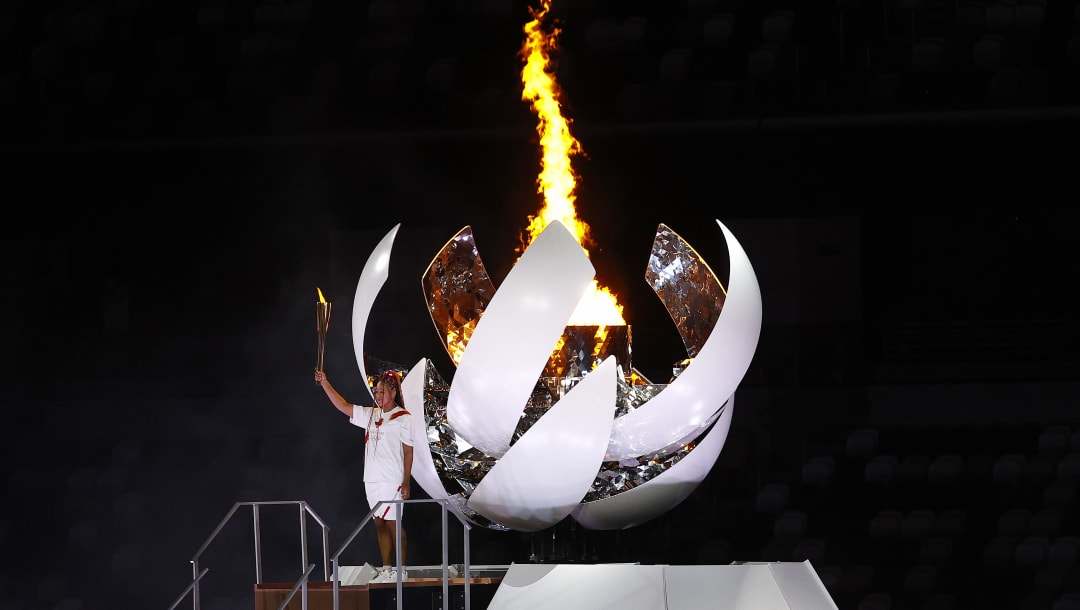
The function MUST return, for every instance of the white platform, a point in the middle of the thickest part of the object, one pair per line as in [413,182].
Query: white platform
[362,575]
[757,586]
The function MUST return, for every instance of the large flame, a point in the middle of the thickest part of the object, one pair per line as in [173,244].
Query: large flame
[556,181]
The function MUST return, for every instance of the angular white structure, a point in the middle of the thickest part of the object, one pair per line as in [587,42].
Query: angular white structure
[775,586]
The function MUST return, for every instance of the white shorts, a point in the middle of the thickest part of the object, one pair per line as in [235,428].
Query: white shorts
[381,491]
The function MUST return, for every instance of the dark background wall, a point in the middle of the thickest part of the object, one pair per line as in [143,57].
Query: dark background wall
[180,178]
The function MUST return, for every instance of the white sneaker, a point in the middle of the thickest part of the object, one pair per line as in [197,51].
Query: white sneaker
[384,575]
[389,574]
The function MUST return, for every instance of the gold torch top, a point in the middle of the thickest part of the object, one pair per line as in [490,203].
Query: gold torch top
[322,312]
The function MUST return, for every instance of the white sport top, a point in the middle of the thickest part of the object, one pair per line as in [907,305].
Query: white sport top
[386,432]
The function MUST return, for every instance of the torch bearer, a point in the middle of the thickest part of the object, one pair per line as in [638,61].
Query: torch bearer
[322,322]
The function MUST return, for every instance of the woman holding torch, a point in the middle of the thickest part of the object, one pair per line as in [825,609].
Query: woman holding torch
[388,455]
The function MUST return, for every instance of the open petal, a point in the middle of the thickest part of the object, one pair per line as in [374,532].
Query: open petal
[661,493]
[372,278]
[514,339]
[551,468]
[457,289]
[693,397]
[423,469]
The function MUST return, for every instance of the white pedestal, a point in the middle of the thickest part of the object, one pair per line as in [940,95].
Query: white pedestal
[756,586]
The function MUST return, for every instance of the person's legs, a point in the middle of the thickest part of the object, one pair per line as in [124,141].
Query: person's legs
[386,520]
[387,543]
[385,533]
[384,517]
[404,541]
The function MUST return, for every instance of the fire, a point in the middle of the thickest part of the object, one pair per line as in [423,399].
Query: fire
[321,298]
[557,180]
[456,341]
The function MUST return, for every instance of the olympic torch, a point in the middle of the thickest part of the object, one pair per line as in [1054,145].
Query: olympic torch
[322,322]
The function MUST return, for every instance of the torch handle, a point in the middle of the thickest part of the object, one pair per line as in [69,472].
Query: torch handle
[322,322]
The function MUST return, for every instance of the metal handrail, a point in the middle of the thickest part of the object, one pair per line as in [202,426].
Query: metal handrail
[397,541]
[181,597]
[305,511]
[292,592]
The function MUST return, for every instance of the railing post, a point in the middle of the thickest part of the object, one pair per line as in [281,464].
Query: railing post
[397,546]
[189,588]
[258,544]
[195,587]
[326,552]
[445,561]
[337,603]
[468,577]
[303,537]
[302,585]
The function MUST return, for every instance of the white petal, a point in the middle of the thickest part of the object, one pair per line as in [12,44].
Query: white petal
[514,338]
[663,492]
[372,278]
[691,399]
[423,467]
[552,466]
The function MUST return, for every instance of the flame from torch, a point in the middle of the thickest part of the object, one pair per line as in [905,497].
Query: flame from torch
[322,322]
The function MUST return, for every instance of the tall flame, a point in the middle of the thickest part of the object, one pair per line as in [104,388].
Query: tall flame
[557,180]
[322,299]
